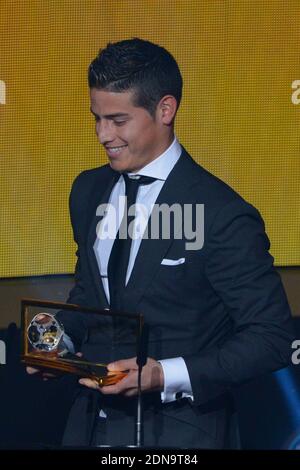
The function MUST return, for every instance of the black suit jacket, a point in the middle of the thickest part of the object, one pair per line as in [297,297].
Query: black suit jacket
[223,310]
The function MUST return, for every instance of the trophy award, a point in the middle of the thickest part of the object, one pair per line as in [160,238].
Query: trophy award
[45,340]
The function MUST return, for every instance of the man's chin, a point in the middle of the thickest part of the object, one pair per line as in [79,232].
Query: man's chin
[117,166]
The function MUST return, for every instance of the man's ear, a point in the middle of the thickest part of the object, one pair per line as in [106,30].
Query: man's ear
[167,108]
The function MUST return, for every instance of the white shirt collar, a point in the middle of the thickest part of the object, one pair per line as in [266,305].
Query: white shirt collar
[162,165]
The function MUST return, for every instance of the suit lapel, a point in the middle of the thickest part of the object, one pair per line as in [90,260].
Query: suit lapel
[152,251]
[98,198]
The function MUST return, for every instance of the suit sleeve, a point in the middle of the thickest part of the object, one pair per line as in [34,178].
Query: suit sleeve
[75,322]
[240,270]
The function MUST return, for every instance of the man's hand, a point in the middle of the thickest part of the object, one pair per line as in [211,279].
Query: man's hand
[44,375]
[152,378]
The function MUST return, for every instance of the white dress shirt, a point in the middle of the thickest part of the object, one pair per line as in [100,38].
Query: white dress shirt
[176,377]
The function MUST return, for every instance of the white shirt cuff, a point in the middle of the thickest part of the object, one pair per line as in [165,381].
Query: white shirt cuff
[177,382]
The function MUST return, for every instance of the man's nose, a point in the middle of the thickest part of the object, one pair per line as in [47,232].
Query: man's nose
[104,131]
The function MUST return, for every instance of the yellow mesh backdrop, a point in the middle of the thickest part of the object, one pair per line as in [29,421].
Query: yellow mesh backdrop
[238,58]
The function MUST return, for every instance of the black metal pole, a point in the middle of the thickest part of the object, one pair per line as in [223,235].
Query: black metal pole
[141,360]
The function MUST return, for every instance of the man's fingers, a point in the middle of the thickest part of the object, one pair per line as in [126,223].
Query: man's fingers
[123,364]
[45,375]
[49,375]
[113,390]
[31,370]
[125,384]
[131,393]
[89,383]
[109,390]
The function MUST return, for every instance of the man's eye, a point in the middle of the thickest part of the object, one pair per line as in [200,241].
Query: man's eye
[119,123]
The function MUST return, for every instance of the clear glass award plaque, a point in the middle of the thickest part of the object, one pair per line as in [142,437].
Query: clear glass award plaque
[46,339]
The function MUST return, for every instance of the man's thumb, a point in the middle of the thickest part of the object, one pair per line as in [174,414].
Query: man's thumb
[123,364]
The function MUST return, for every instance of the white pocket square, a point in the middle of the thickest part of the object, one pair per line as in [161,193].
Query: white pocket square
[172,262]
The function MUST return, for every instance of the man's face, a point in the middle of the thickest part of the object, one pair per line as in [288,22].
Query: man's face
[130,135]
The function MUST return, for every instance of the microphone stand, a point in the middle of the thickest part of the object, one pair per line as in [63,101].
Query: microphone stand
[141,360]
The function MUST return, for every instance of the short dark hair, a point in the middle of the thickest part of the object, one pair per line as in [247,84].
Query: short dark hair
[147,69]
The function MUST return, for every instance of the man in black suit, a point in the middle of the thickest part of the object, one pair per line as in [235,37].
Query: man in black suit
[215,307]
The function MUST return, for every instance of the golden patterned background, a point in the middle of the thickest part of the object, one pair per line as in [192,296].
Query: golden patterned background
[238,58]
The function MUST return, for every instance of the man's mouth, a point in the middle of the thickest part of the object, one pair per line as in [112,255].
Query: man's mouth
[115,150]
